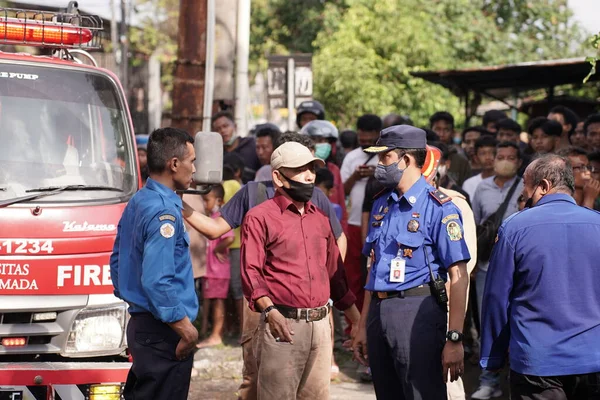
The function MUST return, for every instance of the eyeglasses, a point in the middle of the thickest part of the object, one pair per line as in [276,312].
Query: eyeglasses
[584,168]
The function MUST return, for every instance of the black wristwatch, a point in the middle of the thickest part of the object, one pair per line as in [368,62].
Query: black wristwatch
[455,336]
[267,310]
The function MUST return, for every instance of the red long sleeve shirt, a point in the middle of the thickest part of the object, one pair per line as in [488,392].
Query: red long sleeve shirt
[291,258]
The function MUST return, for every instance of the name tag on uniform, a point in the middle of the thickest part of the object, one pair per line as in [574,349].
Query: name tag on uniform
[397,270]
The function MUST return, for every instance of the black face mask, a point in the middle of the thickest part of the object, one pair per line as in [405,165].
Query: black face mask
[529,202]
[298,191]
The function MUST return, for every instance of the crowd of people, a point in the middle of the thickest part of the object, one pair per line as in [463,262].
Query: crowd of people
[386,223]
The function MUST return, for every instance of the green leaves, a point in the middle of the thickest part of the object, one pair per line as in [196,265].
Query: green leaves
[595,42]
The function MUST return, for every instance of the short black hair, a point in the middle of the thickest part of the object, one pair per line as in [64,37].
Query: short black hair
[595,156]
[267,130]
[431,136]
[504,145]
[441,116]
[485,141]
[510,125]
[349,139]
[570,117]
[369,123]
[554,168]
[591,119]
[479,129]
[418,154]
[165,144]
[493,116]
[290,136]
[572,151]
[548,126]
[443,147]
[218,190]
[221,114]
[396,119]
[325,177]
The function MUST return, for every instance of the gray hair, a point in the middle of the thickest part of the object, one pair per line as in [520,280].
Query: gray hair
[555,169]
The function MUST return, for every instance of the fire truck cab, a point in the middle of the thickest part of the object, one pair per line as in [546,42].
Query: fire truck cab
[68,167]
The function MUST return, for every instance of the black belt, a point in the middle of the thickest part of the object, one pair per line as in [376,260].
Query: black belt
[304,314]
[416,291]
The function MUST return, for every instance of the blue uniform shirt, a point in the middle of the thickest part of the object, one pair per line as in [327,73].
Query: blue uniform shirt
[150,265]
[409,226]
[542,292]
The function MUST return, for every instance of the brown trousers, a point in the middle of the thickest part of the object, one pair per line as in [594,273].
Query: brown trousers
[250,323]
[294,371]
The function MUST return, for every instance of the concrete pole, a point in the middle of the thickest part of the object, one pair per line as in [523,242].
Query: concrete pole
[209,87]
[190,69]
[241,67]
[114,37]
[291,94]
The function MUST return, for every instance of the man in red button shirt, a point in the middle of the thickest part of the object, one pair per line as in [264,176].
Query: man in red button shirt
[290,269]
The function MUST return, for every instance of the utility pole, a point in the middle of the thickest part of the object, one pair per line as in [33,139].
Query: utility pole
[114,37]
[190,68]
[124,48]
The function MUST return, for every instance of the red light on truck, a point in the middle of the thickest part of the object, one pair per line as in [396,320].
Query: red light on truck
[17,30]
[14,342]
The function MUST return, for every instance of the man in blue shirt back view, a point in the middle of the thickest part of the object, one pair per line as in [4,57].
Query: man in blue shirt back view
[541,302]
[151,270]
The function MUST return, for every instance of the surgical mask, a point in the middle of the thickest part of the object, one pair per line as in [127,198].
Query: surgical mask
[389,175]
[456,140]
[230,141]
[298,191]
[505,168]
[322,151]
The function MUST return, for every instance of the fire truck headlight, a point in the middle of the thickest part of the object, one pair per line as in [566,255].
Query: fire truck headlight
[97,331]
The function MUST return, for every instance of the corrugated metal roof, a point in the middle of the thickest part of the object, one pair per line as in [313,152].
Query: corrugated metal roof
[502,80]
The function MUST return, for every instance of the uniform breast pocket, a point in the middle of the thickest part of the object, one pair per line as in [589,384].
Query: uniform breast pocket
[410,247]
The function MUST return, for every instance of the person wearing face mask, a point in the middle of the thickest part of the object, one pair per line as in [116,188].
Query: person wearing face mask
[291,267]
[541,303]
[324,135]
[416,243]
[495,195]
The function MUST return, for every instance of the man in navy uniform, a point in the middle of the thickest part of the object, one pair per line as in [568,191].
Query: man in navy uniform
[151,270]
[541,303]
[416,241]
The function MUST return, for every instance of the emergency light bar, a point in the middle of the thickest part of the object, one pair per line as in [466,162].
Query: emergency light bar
[49,29]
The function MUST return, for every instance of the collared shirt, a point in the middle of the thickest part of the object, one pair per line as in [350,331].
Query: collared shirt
[290,257]
[413,226]
[542,299]
[150,265]
[234,211]
[470,185]
[489,196]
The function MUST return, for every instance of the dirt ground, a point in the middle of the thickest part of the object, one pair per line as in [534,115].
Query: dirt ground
[218,375]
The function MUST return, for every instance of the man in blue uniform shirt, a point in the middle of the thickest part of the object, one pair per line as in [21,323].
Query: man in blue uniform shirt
[541,304]
[415,239]
[151,270]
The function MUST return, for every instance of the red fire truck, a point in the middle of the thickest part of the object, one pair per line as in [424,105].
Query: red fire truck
[67,168]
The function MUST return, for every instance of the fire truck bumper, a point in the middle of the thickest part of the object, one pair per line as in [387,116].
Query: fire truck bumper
[63,381]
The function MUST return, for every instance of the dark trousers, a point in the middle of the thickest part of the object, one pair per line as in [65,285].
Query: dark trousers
[568,387]
[156,373]
[405,341]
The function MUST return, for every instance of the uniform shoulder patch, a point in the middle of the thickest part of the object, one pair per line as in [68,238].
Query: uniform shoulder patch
[450,217]
[167,217]
[167,230]
[440,197]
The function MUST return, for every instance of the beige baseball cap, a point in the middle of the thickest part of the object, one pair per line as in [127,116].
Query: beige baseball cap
[293,155]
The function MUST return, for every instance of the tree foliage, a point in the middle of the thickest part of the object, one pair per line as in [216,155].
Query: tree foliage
[364,50]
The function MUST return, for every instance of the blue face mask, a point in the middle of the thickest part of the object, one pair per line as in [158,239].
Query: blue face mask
[389,175]
[322,150]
